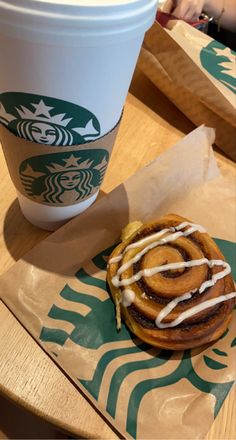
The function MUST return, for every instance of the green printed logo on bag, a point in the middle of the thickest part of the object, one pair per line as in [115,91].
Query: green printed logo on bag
[64,177]
[220,62]
[121,372]
[47,120]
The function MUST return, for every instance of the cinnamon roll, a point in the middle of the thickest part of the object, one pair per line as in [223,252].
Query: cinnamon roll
[171,284]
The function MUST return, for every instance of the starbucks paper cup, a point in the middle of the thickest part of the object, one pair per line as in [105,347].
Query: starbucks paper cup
[66,67]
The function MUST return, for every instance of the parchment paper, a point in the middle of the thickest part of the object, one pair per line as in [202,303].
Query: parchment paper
[58,292]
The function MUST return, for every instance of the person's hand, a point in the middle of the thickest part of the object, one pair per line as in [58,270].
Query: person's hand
[185,9]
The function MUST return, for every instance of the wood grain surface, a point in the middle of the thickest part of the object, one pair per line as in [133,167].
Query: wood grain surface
[28,376]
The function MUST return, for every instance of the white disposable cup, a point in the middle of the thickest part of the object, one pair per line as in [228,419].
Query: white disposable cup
[80,51]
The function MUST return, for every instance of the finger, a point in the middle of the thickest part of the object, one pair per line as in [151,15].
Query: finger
[168,6]
[182,9]
[193,12]
[188,10]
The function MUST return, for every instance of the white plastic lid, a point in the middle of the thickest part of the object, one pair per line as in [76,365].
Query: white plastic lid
[77,22]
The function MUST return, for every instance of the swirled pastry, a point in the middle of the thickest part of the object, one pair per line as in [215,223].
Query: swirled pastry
[171,284]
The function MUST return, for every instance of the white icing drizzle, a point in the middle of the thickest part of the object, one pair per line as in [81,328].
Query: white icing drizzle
[193,311]
[169,307]
[216,276]
[149,238]
[128,296]
[171,237]
[181,265]
[115,259]
[119,257]
[190,230]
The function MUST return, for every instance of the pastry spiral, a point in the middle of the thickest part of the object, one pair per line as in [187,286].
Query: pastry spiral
[172,284]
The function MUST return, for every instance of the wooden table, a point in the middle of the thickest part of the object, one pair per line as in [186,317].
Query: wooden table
[27,375]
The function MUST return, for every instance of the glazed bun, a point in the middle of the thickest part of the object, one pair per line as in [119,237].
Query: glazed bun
[171,284]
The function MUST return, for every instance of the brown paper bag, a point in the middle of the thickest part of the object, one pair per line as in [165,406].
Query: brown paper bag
[197,74]
[58,292]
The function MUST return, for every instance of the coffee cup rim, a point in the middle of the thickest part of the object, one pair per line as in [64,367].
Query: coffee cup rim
[80,23]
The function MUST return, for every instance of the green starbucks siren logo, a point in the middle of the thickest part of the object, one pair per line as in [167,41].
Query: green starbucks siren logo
[47,120]
[64,177]
[220,62]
